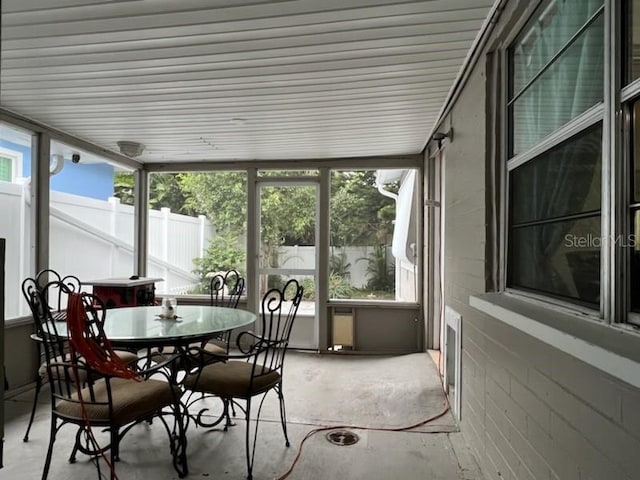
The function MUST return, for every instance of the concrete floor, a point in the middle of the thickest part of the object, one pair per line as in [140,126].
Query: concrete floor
[327,390]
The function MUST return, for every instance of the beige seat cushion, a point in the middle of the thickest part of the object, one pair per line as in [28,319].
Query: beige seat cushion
[125,356]
[215,349]
[231,379]
[131,400]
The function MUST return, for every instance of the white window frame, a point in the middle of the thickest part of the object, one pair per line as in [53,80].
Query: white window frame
[613,296]
[16,162]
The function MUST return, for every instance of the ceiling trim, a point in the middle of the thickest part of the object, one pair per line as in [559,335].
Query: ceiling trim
[371,162]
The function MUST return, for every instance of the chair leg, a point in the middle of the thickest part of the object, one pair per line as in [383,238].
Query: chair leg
[115,444]
[52,439]
[248,442]
[283,415]
[33,408]
[113,453]
[225,412]
[76,446]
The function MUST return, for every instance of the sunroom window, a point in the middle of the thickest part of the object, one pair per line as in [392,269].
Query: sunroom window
[556,75]
[373,235]
[630,75]
[557,70]
[634,239]
[555,220]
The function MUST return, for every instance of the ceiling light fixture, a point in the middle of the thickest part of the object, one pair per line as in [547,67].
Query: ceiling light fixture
[130,149]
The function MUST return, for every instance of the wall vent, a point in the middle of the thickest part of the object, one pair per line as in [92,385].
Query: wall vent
[452,349]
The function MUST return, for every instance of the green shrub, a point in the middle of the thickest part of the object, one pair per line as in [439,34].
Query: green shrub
[379,271]
[339,266]
[222,254]
[309,289]
[339,287]
[275,281]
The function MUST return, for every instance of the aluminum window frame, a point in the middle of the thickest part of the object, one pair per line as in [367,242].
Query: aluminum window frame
[601,112]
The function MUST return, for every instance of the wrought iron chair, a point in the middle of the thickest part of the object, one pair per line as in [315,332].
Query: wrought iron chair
[55,301]
[54,304]
[255,371]
[224,291]
[93,387]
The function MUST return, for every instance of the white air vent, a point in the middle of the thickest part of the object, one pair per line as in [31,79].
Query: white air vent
[452,345]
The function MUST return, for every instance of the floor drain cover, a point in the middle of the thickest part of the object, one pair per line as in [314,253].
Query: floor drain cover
[342,437]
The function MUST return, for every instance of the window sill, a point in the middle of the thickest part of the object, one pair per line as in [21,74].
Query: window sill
[15,322]
[373,302]
[612,349]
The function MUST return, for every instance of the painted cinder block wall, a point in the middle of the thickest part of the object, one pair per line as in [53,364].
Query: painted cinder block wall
[529,411]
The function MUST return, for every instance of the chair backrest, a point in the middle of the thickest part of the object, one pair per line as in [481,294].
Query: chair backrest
[89,357]
[54,295]
[32,292]
[279,310]
[58,360]
[53,299]
[225,290]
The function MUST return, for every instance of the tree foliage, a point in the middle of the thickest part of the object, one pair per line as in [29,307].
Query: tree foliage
[288,215]
[123,187]
[165,190]
[360,215]
[222,254]
[221,196]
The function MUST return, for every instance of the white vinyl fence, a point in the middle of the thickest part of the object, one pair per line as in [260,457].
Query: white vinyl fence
[304,257]
[93,239]
[356,258]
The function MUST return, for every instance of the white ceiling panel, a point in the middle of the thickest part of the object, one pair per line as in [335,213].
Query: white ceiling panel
[219,80]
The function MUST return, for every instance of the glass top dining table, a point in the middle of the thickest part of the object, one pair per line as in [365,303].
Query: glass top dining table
[143,327]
